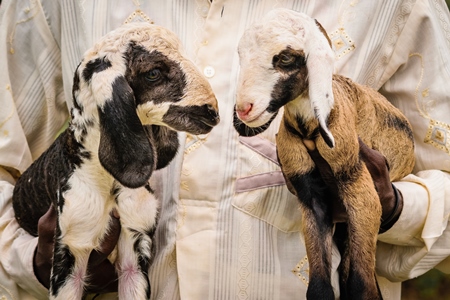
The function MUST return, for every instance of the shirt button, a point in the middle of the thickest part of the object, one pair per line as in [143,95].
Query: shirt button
[209,71]
[204,11]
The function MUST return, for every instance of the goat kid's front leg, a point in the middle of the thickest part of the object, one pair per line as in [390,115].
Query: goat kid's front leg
[318,232]
[138,210]
[68,276]
[304,180]
[358,261]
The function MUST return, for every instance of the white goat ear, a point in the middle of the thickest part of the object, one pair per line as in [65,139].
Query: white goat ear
[320,64]
[125,150]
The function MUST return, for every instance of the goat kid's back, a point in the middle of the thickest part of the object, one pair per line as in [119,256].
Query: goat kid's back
[379,124]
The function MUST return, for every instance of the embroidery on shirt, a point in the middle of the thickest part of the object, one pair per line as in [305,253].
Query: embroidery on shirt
[27,10]
[392,38]
[138,15]
[5,132]
[438,133]
[341,42]
[441,10]
[245,257]
[193,142]
[5,294]
[301,270]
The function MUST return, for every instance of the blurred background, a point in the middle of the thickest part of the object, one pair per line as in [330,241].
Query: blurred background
[433,285]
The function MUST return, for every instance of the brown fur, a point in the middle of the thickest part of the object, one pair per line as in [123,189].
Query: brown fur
[287,61]
[358,111]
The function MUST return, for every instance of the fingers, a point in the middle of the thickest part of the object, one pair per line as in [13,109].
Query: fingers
[391,201]
[109,242]
[375,161]
[102,273]
[43,256]
[47,226]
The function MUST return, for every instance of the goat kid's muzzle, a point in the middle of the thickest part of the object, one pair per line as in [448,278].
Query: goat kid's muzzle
[192,119]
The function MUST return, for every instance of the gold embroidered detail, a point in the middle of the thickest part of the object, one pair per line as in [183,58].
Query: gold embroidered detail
[301,270]
[182,219]
[438,133]
[392,38]
[10,115]
[138,16]
[5,294]
[193,142]
[342,43]
[27,10]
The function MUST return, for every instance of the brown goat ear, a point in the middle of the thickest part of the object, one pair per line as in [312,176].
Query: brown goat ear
[320,64]
[125,150]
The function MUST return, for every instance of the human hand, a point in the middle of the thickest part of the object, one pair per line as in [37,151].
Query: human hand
[103,277]
[390,198]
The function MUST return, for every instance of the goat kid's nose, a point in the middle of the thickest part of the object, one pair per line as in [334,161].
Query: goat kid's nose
[244,110]
[213,112]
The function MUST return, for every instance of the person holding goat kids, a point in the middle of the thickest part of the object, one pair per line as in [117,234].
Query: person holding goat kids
[228,226]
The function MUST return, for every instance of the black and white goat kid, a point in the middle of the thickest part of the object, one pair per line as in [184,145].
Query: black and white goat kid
[132,91]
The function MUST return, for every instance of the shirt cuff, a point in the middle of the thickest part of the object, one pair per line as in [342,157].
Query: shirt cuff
[423,218]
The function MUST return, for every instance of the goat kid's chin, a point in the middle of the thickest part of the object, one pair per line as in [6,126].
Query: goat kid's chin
[245,128]
[192,119]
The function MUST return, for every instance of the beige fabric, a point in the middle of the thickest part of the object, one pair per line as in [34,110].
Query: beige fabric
[215,242]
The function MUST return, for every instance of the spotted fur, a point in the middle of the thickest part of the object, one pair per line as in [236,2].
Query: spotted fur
[287,61]
[132,91]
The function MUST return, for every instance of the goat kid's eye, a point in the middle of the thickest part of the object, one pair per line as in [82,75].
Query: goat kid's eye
[153,75]
[286,60]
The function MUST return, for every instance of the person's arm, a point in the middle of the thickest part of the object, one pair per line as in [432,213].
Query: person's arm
[17,249]
[33,110]
[416,81]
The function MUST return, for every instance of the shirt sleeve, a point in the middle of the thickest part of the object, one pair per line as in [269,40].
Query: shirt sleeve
[416,80]
[17,250]
[32,111]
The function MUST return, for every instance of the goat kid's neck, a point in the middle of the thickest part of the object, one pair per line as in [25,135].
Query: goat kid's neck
[299,118]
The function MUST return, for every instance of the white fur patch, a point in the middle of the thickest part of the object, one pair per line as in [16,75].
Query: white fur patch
[279,30]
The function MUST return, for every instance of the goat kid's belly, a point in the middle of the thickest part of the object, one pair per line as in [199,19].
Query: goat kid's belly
[84,217]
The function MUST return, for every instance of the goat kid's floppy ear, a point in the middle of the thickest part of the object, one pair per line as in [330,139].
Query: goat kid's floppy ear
[166,143]
[320,64]
[125,150]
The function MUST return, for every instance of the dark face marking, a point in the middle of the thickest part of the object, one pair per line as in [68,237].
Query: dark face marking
[192,119]
[153,76]
[95,66]
[294,80]
[245,130]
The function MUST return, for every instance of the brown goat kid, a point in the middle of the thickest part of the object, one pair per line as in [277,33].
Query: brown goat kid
[286,60]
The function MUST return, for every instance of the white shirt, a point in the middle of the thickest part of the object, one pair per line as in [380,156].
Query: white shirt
[229,228]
